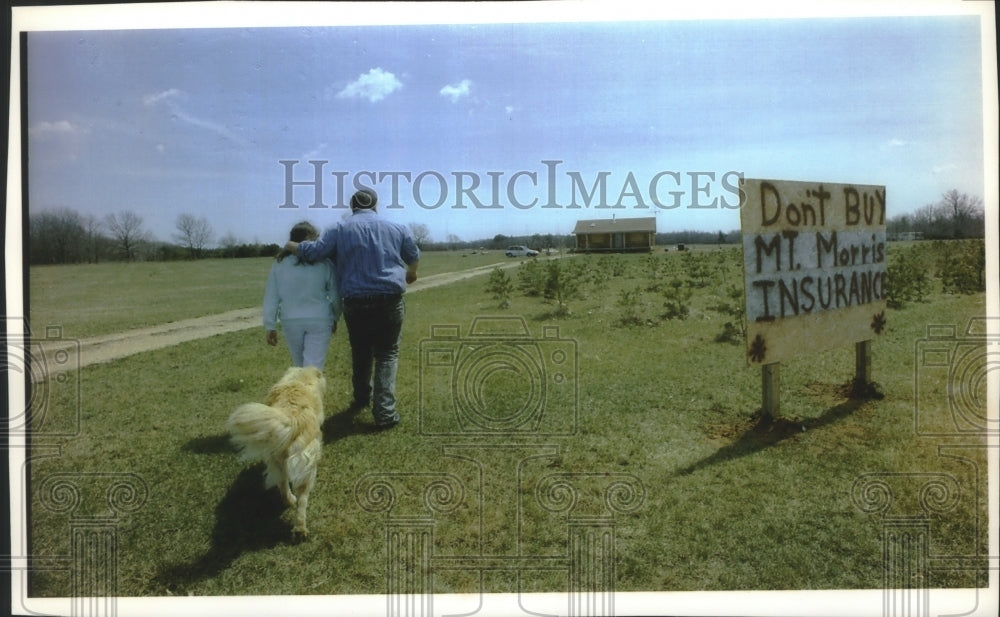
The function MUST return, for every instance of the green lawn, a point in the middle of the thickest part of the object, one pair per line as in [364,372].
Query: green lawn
[93,299]
[718,501]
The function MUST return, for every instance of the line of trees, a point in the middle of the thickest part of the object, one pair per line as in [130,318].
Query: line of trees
[496,243]
[66,237]
[955,216]
[562,241]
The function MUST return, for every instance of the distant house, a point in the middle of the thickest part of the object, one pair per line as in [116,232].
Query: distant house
[615,235]
[906,236]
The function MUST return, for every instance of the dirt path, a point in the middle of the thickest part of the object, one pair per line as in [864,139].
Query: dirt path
[121,344]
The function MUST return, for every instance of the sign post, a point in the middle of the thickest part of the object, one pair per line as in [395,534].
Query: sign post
[814,257]
[770,385]
[863,363]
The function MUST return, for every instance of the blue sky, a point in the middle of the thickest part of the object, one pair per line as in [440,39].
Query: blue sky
[164,122]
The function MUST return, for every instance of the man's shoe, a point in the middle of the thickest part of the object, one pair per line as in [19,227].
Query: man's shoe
[384,426]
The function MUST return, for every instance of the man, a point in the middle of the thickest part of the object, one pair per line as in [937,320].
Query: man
[375,259]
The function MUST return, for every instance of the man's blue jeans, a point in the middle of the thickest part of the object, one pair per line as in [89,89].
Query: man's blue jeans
[374,324]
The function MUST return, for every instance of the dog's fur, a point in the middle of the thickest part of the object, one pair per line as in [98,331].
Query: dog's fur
[285,433]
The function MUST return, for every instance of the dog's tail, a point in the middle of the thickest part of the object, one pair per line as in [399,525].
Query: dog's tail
[260,431]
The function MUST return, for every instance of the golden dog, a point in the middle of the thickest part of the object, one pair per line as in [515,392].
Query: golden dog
[285,433]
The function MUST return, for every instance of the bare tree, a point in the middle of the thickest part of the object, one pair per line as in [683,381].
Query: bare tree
[56,237]
[194,233]
[955,215]
[127,232]
[962,209]
[928,217]
[229,242]
[421,233]
[95,242]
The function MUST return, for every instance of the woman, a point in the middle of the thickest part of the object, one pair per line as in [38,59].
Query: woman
[303,296]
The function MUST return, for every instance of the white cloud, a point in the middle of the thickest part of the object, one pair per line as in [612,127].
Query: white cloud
[152,99]
[457,91]
[208,125]
[60,127]
[893,144]
[947,167]
[315,152]
[374,85]
[169,99]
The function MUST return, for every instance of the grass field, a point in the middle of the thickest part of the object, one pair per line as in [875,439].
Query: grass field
[716,499]
[94,299]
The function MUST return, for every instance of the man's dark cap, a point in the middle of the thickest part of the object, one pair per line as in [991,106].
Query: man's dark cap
[364,199]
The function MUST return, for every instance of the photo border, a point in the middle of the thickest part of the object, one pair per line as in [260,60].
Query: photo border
[261,14]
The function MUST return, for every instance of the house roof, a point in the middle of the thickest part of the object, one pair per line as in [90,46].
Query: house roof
[603,226]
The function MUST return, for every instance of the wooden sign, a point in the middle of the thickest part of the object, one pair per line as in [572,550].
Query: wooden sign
[814,258]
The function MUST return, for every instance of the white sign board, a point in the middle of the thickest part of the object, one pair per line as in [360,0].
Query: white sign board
[814,257]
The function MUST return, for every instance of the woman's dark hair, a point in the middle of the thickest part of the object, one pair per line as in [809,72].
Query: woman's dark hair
[300,232]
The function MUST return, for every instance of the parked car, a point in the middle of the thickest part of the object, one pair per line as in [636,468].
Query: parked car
[520,251]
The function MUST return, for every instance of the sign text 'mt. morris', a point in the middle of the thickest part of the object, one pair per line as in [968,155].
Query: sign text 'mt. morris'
[823,252]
